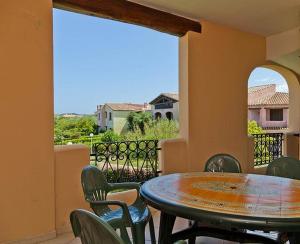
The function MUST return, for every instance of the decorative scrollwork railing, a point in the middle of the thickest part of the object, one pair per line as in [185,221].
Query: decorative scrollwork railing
[127,161]
[267,147]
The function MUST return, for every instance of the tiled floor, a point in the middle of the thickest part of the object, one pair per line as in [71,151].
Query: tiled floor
[179,224]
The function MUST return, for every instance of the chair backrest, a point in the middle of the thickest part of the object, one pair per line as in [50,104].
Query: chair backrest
[286,167]
[223,163]
[95,188]
[91,229]
[94,184]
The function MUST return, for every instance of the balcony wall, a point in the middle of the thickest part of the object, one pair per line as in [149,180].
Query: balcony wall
[69,161]
[214,70]
[26,103]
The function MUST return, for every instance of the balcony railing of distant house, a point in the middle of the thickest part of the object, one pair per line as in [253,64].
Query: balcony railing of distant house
[267,147]
[127,161]
[164,105]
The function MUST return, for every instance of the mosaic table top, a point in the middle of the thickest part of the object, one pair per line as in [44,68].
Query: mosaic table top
[226,193]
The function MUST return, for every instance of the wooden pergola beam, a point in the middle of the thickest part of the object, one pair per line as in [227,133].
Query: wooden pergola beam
[132,13]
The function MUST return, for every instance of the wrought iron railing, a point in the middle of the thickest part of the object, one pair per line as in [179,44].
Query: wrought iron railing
[127,161]
[267,147]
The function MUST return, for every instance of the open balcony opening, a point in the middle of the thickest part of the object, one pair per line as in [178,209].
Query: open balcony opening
[111,81]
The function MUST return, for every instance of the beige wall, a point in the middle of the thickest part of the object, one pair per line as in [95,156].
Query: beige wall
[26,105]
[120,124]
[214,69]
[69,162]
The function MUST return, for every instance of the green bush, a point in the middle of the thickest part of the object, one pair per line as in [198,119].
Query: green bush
[254,128]
[156,130]
[74,128]
[110,136]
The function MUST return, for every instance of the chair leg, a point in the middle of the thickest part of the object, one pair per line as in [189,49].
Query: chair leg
[124,234]
[152,231]
[139,237]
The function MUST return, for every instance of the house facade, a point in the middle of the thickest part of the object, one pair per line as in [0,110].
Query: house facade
[165,106]
[267,107]
[113,116]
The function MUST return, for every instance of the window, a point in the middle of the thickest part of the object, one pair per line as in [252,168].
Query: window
[106,115]
[110,116]
[276,114]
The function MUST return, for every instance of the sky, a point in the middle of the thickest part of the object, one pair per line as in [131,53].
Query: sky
[97,61]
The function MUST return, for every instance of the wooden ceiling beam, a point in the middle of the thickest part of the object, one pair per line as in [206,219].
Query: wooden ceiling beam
[132,13]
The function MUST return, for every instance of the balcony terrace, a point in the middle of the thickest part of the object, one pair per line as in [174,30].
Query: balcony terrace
[220,44]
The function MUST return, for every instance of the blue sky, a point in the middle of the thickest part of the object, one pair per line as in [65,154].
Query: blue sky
[262,76]
[98,61]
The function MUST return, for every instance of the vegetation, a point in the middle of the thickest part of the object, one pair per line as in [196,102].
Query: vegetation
[139,120]
[254,128]
[74,128]
[154,130]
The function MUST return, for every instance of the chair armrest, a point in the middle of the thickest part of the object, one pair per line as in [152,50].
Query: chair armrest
[125,185]
[126,214]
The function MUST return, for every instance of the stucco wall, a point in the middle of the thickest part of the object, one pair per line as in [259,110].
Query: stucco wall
[214,69]
[69,162]
[174,111]
[120,121]
[26,105]
[253,114]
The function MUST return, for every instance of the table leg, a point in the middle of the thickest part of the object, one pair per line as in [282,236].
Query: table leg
[165,228]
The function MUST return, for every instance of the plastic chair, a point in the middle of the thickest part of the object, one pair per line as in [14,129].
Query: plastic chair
[136,216]
[91,229]
[223,163]
[218,163]
[286,167]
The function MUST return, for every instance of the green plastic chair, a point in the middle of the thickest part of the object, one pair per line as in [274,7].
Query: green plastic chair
[223,163]
[286,167]
[91,229]
[135,216]
[218,163]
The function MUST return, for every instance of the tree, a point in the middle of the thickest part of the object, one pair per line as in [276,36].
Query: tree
[139,120]
[73,128]
[254,128]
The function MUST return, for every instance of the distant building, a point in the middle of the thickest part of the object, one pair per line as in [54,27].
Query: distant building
[113,116]
[166,105]
[70,115]
[267,107]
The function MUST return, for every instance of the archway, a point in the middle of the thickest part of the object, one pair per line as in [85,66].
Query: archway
[294,96]
[274,104]
[157,115]
[169,115]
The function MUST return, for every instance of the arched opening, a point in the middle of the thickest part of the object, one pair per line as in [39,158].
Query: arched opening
[157,115]
[169,115]
[273,110]
[270,103]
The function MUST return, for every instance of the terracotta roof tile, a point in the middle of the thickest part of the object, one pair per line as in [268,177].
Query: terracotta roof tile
[126,106]
[266,95]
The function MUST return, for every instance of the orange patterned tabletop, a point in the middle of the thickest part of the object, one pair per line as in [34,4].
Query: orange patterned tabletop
[235,194]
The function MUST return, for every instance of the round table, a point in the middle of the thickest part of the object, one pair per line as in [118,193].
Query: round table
[241,201]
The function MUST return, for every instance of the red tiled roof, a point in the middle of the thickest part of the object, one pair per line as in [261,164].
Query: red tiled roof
[126,106]
[267,95]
